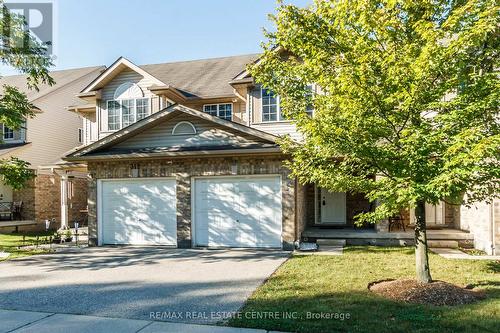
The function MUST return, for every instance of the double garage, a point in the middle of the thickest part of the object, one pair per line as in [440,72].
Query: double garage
[228,211]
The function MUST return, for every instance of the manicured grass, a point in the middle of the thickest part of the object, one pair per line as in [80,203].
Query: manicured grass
[11,241]
[338,284]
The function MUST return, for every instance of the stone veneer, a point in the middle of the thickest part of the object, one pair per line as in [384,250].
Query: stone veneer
[183,170]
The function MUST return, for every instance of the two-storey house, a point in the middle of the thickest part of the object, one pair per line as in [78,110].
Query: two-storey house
[42,141]
[185,154]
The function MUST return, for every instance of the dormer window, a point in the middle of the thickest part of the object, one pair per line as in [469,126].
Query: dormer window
[184,128]
[224,111]
[128,106]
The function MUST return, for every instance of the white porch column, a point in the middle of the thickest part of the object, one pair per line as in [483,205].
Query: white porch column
[64,200]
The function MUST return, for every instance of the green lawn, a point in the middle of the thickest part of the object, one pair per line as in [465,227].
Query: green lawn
[11,241]
[338,284]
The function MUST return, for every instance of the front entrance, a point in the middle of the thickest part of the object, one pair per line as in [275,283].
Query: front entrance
[332,207]
[434,215]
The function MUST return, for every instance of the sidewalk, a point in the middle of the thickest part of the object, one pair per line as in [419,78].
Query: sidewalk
[457,254]
[41,322]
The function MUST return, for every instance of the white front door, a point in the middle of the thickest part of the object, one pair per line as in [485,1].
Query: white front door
[434,214]
[332,207]
[238,211]
[138,212]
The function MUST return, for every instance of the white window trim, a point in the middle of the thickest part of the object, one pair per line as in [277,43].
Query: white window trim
[119,101]
[218,109]
[3,134]
[279,118]
[184,123]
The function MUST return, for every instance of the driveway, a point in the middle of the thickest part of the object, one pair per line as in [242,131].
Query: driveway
[196,286]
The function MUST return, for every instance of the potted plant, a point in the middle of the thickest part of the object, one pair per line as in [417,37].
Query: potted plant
[57,237]
[68,236]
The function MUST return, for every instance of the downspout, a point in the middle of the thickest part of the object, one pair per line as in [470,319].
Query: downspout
[64,201]
[492,216]
[297,240]
[249,107]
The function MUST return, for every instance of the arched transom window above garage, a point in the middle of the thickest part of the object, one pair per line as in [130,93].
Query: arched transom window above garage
[184,128]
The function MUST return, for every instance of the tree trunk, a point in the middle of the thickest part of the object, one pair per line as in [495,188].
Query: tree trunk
[421,255]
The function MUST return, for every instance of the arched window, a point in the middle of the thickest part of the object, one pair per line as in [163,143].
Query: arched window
[128,90]
[184,128]
[127,106]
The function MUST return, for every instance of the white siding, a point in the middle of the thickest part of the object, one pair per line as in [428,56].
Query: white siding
[280,129]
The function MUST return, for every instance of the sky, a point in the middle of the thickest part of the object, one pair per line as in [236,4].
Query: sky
[97,32]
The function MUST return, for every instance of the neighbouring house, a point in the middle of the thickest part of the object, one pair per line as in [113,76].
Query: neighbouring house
[185,154]
[54,193]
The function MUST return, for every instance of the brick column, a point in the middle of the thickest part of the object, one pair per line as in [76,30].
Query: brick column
[183,190]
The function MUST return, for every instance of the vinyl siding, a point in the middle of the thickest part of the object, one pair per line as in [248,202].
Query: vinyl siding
[207,134]
[90,129]
[280,128]
[54,131]
[108,91]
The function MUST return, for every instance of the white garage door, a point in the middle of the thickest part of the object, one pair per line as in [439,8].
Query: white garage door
[138,212]
[238,212]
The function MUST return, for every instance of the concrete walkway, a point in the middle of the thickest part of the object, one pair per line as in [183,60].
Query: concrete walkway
[43,322]
[457,254]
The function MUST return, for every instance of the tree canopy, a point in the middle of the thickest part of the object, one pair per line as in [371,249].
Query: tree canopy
[407,109]
[23,52]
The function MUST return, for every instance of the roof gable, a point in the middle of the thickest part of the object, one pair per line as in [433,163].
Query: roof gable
[154,135]
[117,67]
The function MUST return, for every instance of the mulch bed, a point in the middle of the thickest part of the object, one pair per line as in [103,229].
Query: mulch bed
[436,293]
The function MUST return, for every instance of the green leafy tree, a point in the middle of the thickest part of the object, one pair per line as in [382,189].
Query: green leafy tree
[407,111]
[21,51]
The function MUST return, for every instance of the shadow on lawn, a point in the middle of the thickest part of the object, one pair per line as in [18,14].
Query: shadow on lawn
[366,313]
[493,266]
[380,249]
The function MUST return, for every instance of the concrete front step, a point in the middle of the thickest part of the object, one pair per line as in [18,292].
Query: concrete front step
[449,244]
[331,242]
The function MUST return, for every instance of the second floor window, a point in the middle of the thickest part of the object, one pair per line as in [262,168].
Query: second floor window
[8,133]
[224,111]
[270,106]
[122,113]
[271,110]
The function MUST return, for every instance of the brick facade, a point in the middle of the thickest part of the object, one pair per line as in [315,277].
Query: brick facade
[77,200]
[183,170]
[42,200]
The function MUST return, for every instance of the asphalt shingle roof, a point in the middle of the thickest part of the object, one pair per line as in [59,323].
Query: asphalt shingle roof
[202,78]
[62,78]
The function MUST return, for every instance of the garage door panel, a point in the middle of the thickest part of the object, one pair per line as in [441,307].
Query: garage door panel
[140,212]
[238,212]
